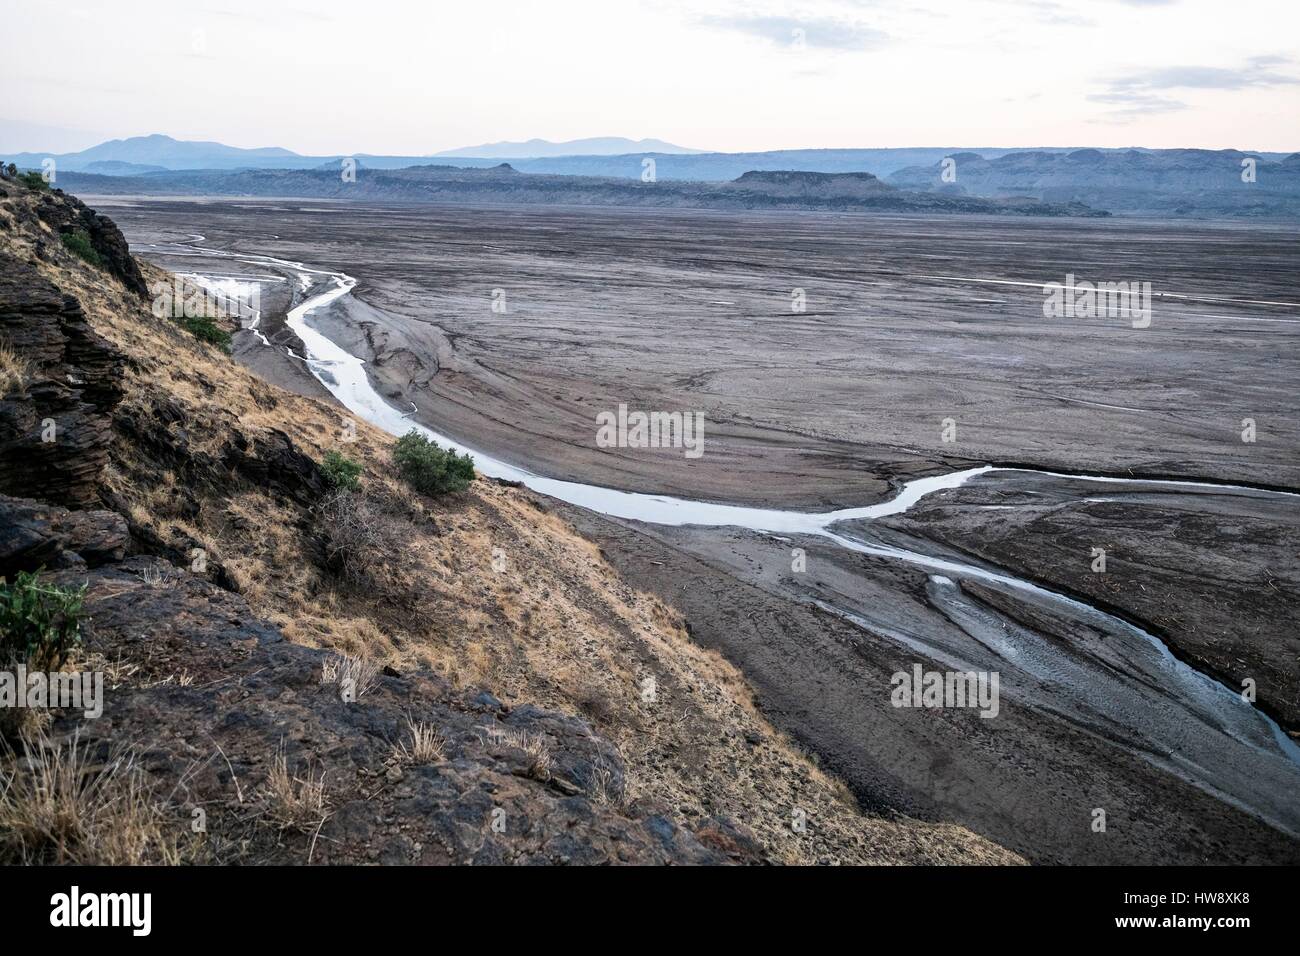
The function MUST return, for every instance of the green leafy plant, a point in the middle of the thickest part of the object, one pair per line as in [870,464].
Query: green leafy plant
[206,329]
[428,468]
[33,180]
[341,472]
[39,623]
[78,243]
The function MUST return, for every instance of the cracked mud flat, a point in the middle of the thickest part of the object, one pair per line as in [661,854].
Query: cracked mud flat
[693,312]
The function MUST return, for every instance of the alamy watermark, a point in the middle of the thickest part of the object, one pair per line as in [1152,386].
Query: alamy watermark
[130,910]
[1092,300]
[937,690]
[186,298]
[60,690]
[624,429]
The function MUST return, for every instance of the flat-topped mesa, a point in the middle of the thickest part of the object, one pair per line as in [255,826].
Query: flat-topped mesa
[788,184]
[790,177]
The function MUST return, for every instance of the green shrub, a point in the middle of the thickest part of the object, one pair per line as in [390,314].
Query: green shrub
[78,243]
[341,472]
[428,469]
[206,329]
[33,180]
[39,624]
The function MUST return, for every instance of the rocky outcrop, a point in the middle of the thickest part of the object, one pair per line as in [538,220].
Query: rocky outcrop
[271,461]
[68,214]
[35,535]
[55,427]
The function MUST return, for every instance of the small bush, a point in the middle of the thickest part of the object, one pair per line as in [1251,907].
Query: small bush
[341,472]
[39,624]
[430,470]
[534,746]
[207,330]
[356,535]
[78,243]
[33,180]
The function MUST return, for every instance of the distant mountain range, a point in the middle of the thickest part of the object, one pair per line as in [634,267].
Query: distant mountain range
[503,184]
[542,156]
[1161,182]
[606,156]
[1191,182]
[596,146]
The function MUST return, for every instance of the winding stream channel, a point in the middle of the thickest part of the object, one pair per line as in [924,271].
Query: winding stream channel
[1110,677]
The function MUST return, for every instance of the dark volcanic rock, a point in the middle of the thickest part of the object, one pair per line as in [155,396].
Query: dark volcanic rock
[54,431]
[27,537]
[68,214]
[272,461]
[35,535]
[221,693]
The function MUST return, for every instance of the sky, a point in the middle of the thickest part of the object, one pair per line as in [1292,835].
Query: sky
[413,77]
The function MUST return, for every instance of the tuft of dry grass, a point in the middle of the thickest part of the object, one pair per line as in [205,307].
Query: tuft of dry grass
[19,723]
[156,578]
[533,745]
[601,786]
[294,803]
[354,674]
[426,745]
[14,370]
[58,806]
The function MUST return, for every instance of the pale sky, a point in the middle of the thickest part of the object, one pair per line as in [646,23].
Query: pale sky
[380,76]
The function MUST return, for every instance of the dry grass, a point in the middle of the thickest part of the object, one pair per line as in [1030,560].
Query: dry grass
[601,787]
[294,803]
[156,578]
[17,723]
[14,370]
[354,674]
[425,746]
[533,745]
[58,806]
[117,672]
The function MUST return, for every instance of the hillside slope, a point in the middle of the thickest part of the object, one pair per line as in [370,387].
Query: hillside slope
[208,537]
